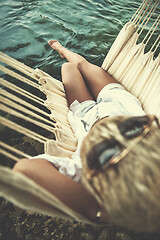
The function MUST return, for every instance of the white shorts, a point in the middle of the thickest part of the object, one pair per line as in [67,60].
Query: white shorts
[113,100]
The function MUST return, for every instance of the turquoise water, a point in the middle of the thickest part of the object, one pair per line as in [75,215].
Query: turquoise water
[88,27]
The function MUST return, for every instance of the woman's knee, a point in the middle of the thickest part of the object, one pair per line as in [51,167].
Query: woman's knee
[67,67]
[82,64]
[68,71]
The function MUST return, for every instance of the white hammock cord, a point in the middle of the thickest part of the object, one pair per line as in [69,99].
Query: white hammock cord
[148,18]
[21,65]
[9,155]
[13,149]
[26,111]
[24,103]
[157,44]
[19,77]
[17,65]
[141,17]
[21,91]
[151,29]
[23,130]
[132,18]
[141,11]
[19,115]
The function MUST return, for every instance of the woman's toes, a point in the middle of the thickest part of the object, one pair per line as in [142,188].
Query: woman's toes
[51,43]
[56,46]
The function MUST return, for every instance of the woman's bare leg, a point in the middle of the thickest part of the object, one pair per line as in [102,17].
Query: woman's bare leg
[75,87]
[95,77]
[65,53]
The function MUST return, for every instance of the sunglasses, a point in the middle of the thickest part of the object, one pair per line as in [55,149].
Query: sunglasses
[115,154]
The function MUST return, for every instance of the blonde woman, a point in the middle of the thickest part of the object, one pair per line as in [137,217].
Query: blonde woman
[92,95]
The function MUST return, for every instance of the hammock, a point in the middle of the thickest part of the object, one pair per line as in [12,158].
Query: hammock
[126,61]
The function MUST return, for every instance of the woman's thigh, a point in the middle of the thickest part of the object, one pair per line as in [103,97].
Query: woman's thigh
[74,84]
[95,77]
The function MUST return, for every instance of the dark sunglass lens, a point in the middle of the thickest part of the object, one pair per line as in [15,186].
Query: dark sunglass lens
[102,153]
[107,155]
[133,127]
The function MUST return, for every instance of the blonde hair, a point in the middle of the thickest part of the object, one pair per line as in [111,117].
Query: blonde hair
[130,190]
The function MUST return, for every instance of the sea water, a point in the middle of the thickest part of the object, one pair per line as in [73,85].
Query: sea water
[87,27]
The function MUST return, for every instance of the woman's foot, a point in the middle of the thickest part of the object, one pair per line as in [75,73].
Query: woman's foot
[56,46]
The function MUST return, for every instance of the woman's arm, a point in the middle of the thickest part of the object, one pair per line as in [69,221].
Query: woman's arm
[71,193]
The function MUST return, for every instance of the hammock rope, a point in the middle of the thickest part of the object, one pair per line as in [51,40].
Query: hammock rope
[23,130]
[9,155]
[155,44]
[17,65]
[21,91]
[21,116]
[143,13]
[150,13]
[25,111]
[153,28]
[140,11]
[14,150]
[136,70]
[27,104]
[136,12]
[19,77]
